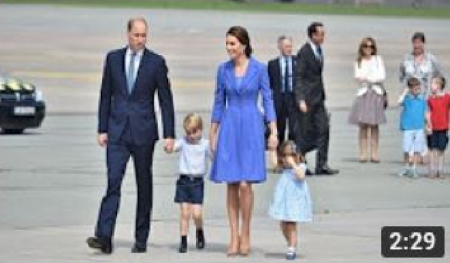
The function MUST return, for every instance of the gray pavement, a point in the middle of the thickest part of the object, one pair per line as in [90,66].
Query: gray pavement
[52,179]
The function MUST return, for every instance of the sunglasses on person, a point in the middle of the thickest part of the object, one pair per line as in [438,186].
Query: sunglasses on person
[368,46]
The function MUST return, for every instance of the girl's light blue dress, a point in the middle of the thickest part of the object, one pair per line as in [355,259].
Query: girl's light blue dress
[291,201]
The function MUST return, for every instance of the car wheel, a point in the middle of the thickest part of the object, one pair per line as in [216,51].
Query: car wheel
[13,131]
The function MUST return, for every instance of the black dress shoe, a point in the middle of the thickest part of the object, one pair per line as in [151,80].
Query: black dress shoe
[326,170]
[201,242]
[183,245]
[182,248]
[308,172]
[139,248]
[97,243]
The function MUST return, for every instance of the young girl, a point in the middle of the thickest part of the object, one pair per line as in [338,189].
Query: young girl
[194,155]
[438,115]
[291,201]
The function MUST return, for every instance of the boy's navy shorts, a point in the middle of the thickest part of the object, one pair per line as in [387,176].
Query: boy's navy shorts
[438,140]
[189,189]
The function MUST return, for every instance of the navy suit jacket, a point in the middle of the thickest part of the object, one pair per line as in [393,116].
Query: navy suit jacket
[118,108]
[276,82]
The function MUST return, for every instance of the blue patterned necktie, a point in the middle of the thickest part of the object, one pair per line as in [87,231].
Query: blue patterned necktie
[286,75]
[131,77]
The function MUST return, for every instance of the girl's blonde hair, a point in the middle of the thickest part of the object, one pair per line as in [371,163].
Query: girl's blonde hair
[192,122]
[288,148]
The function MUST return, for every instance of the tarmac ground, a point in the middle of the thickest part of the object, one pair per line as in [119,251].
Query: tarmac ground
[52,178]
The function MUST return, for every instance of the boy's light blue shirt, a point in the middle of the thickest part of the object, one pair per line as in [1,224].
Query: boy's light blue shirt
[413,114]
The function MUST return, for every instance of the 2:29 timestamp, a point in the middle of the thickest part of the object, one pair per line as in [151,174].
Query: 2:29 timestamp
[413,241]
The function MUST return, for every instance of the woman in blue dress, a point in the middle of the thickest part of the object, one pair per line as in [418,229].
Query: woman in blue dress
[237,133]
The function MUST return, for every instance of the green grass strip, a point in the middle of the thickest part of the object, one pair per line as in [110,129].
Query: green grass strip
[292,8]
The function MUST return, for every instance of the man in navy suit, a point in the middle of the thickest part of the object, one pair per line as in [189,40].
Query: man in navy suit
[127,127]
[282,82]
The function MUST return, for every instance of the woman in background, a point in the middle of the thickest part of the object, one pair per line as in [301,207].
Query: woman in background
[371,100]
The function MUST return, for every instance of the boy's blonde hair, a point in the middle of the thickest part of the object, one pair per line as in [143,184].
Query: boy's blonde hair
[192,122]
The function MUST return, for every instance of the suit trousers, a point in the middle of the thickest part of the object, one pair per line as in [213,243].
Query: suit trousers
[287,115]
[117,156]
[313,132]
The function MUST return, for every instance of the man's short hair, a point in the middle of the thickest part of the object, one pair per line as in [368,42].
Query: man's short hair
[132,20]
[313,28]
[282,38]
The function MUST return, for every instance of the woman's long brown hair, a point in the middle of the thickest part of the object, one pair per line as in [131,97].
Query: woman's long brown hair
[363,43]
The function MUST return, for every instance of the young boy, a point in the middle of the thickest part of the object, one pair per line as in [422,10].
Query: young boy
[194,153]
[412,124]
[439,107]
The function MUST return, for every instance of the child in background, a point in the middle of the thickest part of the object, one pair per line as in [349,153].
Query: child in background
[412,123]
[194,155]
[439,107]
[291,201]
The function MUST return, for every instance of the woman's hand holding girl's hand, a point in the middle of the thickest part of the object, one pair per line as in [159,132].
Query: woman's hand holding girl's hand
[274,160]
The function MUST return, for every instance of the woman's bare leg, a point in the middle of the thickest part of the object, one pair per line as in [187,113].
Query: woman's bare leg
[246,204]
[362,143]
[233,217]
[374,138]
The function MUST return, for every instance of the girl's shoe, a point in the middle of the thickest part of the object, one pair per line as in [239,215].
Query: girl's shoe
[291,255]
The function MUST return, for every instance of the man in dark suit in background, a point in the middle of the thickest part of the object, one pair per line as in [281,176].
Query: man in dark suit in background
[282,82]
[313,127]
[127,127]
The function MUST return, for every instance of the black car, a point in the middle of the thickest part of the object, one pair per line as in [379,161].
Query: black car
[21,106]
